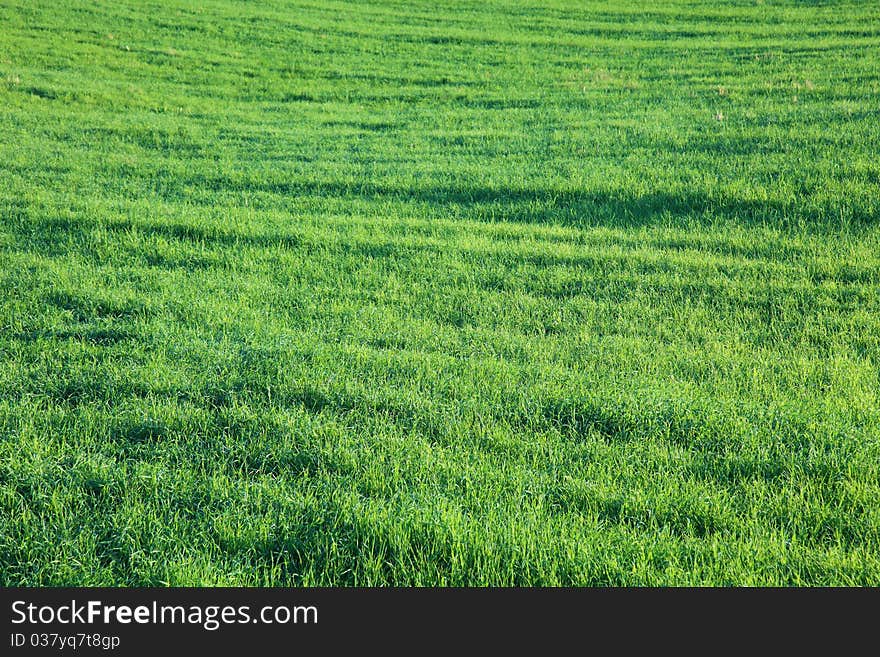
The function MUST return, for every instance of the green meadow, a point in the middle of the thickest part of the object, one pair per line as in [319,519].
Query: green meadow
[469,293]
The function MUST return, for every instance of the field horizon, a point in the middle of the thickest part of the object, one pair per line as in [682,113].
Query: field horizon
[471,294]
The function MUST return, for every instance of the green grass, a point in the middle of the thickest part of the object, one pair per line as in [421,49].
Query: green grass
[299,293]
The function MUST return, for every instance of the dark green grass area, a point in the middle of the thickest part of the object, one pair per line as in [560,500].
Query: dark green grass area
[479,293]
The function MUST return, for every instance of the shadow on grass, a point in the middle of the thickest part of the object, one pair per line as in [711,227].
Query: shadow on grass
[615,208]
[103,336]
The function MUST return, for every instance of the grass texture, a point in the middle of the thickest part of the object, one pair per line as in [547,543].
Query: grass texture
[477,293]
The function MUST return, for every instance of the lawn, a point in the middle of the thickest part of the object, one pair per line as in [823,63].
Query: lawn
[477,293]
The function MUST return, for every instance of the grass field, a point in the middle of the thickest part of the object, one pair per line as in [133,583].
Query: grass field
[298,293]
